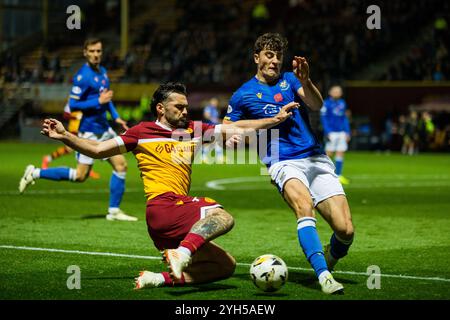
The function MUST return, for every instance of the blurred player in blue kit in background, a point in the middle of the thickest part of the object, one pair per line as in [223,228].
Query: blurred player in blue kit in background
[211,115]
[301,170]
[336,128]
[91,95]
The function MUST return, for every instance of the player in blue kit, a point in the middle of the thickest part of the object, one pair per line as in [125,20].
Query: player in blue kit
[336,128]
[91,95]
[211,115]
[300,169]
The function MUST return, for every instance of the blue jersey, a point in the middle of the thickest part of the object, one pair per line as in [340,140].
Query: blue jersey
[213,114]
[256,100]
[333,116]
[87,86]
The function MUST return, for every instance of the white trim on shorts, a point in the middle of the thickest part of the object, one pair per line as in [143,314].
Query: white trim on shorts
[204,209]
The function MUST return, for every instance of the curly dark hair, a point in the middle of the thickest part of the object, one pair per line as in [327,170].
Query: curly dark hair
[270,41]
[163,92]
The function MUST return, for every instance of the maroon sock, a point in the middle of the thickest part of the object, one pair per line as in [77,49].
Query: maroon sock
[170,283]
[192,242]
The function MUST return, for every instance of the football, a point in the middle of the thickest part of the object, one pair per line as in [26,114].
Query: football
[269,272]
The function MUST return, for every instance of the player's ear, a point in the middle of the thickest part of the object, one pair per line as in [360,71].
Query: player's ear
[160,108]
[256,57]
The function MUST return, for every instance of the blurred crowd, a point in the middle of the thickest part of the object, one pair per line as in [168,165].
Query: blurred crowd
[417,132]
[212,41]
[48,70]
[427,61]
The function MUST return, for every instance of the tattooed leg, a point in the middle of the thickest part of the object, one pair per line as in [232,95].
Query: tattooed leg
[216,223]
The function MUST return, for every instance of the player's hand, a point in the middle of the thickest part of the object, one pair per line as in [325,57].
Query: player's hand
[105,96]
[123,123]
[235,139]
[286,111]
[53,128]
[300,68]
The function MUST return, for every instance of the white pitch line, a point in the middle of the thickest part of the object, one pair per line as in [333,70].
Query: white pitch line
[220,184]
[109,254]
[74,191]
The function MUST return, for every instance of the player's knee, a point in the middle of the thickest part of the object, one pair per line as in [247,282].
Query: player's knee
[226,218]
[346,231]
[303,209]
[228,266]
[121,167]
[81,176]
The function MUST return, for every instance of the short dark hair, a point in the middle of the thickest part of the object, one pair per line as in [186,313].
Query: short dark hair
[91,41]
[163,92]
[270,41]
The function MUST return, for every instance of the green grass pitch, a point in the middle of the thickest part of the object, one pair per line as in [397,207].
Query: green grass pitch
[400,207]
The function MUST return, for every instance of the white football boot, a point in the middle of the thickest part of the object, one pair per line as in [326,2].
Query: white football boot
[177,261]
[27,178]
[119,215]
[329,285]
[149,279]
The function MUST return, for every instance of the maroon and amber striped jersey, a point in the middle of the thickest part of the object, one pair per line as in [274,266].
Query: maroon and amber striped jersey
[164,155]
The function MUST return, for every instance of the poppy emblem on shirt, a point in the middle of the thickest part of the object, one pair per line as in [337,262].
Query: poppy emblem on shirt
[278,97]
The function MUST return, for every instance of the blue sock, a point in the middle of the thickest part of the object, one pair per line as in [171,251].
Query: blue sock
[339,164]
[311,245]
[56,174]
[339,247]
[116,189]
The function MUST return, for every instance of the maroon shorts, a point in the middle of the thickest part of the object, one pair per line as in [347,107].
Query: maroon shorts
[170,217]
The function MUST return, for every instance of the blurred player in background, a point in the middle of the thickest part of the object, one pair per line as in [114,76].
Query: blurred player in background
[181,225]
[336,129]
[74,119]
[211,115]
[301,170]
[91,95]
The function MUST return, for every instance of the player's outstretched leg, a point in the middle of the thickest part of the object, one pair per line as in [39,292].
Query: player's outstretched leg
[297,196]
[56,174]
[60,152]
[336,212]
[210,263]
[216,222]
